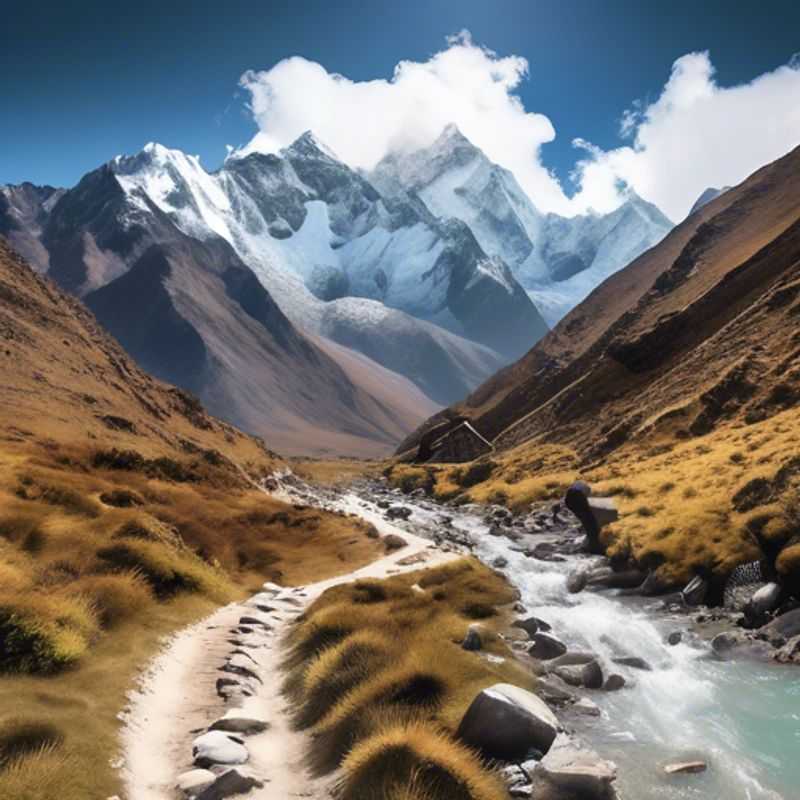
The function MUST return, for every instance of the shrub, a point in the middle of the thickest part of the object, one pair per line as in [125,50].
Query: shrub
[42,775]
[415,760]
[115,597]
[476,473]
[165,569]
[44,633]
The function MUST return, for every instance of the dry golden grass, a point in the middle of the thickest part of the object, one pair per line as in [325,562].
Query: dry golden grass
[89,585]
[334,472]
[674,494]
[375,655]
[416,761]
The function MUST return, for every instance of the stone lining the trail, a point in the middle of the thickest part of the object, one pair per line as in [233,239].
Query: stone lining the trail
[221,753]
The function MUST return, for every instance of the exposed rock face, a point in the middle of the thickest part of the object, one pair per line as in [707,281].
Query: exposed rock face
[506,722]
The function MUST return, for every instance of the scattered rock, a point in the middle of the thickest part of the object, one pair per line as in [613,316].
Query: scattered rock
[764,600]
[578,772]
[586,707]
[249,620]
[501,562]
[588,675]
[786,626]
[576,582]
[614,683]
[675,638]
[398,512]
[237,721]
[240,665]
[545,647]
[218,747]
[505,722]
[571,659]
[725,642]
[194,781]
[530,625]
[634,662]
[554,690]
[472,640]
[686,767]
[394,542]
[228,784]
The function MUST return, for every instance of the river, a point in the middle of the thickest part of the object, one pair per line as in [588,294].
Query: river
[741,717]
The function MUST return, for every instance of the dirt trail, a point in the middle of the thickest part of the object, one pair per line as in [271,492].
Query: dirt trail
[178,694]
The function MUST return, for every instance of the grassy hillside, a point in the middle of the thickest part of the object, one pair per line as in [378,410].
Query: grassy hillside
[377,675]
[126,512]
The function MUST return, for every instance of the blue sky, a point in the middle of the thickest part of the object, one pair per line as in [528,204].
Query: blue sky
[85,81]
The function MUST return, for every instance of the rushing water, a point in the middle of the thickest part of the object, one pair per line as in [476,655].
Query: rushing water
[741,717]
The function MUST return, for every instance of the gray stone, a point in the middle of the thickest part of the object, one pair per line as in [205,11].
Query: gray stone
[614,683]
[529,625]
[588,675]
[554,690]
[500,562]
[675,638]
[586,707]
[725,642]
[576,582]
[545,647]
[764,600]
[577,771]
[194,781]
[505,722]
[229,784]
[236,720]
[786,626]
[634,662]
[218,747]
[685,767]
[571,658]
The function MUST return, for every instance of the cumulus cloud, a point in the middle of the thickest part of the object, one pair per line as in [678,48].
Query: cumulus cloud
[362,120]
[695,135]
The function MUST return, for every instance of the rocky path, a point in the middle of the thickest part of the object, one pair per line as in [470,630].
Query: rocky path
[209,705]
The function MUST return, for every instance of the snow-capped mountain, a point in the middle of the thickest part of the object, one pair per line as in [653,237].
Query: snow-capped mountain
[558,260]
[706,197]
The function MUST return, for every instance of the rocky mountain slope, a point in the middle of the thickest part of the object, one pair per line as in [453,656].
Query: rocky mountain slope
[700,327]
[558,260]
[191,313]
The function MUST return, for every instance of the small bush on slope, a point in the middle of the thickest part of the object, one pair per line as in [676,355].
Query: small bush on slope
[375,654]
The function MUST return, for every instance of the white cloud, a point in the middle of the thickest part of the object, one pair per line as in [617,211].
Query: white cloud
[360,121]
[697,134]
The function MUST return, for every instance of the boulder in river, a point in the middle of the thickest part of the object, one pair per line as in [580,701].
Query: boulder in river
[530,625]
[574,771]
[505,722]
[545,647]
[218,747]
[590,675]
[674,638]
[571,659]
[786,626]
[764,600]
[685,767]
[634,662]
[554,690]
[586,707]
[398,512]
[614,683]
[576,581]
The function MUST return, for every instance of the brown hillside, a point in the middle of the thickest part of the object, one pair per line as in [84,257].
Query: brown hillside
[675,385]
[126,511]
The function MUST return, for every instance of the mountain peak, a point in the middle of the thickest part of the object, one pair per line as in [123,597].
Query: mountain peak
[308,144]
